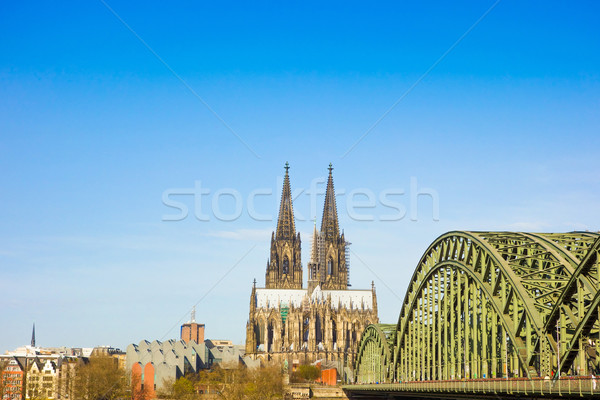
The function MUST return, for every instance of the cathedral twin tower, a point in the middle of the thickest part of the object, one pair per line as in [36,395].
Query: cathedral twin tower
[324,321]
[327,266]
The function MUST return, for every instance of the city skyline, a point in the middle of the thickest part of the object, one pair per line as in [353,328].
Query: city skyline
[97,132]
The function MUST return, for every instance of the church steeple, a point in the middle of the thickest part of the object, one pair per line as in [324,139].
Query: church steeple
[334,267]
[329,224]
[284,269]
[286,229]
[33,336]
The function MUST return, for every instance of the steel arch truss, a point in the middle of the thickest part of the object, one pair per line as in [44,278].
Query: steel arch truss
[573,325]
[375,355]
[479,303]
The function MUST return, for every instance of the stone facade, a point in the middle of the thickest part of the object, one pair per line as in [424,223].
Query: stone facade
[290,323]
[42,380]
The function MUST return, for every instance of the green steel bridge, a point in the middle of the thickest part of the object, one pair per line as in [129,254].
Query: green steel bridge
[491,313]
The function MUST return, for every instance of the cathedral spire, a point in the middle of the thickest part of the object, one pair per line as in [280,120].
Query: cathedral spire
[284,269]
[329,223]
[286,228]
[33,336]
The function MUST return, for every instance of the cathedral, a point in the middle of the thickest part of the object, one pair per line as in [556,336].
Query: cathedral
[324,321]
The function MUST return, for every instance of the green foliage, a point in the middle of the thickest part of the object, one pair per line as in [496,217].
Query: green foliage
[183,388]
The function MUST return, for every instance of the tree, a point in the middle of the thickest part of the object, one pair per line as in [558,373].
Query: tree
[180,389]
[264,383]
[99,379]
[238,383]
[183,388]
[306,373]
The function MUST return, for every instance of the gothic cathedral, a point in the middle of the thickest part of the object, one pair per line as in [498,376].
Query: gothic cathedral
[321,322]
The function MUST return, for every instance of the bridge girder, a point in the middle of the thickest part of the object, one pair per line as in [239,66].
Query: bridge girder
[574,317]
[482,304]
[375,351]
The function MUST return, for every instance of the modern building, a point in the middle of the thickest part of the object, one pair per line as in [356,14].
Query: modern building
[155,364]
[324,321]
[192,330]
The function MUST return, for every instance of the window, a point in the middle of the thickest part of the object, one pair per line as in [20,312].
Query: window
[286,265]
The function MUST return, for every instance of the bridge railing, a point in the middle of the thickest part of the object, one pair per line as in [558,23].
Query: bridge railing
[577,385]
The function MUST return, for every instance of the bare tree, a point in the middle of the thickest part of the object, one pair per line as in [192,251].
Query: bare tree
[99,379]
[239,383]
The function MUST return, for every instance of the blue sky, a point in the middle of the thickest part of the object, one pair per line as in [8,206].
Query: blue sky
[94,130]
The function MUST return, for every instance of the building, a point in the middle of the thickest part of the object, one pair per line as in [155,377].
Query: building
[109,351]
[155,364]
[192,330]
[290,323]
[13,379]
[47,372]
[42,380]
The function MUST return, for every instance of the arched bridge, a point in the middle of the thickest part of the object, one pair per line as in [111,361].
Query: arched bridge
[493,308]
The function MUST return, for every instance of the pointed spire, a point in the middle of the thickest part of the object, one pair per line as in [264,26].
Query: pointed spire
[33,336]
[193,316]
[286,228]
[329,223]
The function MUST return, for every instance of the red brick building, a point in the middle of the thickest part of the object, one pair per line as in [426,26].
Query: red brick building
[13,378]
[192,330]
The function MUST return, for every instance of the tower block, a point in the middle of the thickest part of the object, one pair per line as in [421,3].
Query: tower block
[192,330]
